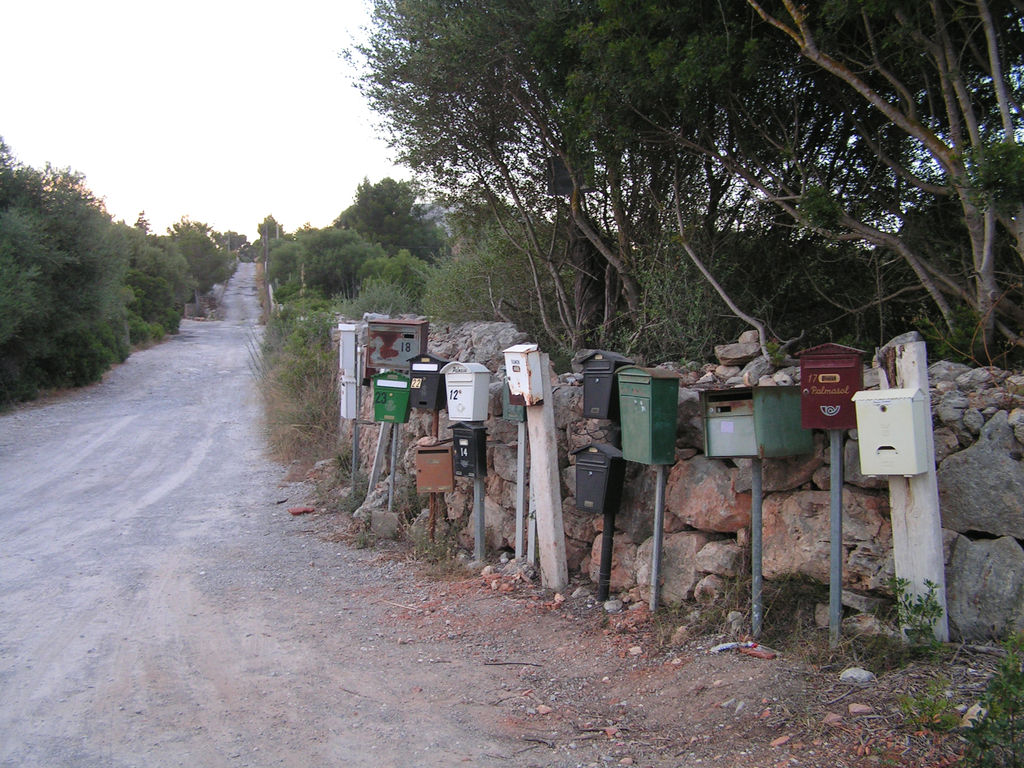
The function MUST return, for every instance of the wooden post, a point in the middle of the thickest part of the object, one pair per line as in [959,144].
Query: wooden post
[914,501]
[554,572]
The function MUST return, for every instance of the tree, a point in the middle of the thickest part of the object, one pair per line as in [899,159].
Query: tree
[208,263]
[388,213]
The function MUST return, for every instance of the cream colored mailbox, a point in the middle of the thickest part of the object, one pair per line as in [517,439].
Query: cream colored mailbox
[892,428]
[525,377]
[348,345]
[347,395]
[467,390]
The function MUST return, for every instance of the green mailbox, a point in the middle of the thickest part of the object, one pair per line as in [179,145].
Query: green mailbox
[648,411]
[391,397]
[754,421]
[510,412]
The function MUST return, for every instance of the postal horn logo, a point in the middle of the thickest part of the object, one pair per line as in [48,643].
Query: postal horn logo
[830,410]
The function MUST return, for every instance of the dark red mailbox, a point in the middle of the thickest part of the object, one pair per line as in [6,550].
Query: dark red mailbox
[829,376]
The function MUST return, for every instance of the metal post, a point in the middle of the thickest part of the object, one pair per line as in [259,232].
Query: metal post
[604,578]
[520,489]
[396,432]
[835,584]
[756,545]
[478,512]
[531,530]
[659,525]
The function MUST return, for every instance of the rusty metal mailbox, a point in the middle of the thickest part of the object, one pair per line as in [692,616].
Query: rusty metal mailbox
[435,468]
[830,374]
[649,407]
[391,397]
[510,411]
[754,421]
[393,343]
[525,377]
[468,389]
[469,449]
[600,390]
[600,476]
[427,385]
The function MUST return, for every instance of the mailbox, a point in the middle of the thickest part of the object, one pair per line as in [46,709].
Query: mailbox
[892,431]
[427,383]
[525,376]
[347,397]
[758,421]
[470,449]
[648,407]
[467,386]
[391,397]
[829,375]
[348,349]
[393,343]
[510,412]
[600,393]
[435,469]
[600,476]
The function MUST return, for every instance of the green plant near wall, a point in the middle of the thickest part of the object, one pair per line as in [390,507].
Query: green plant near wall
[997,738]
[917,614]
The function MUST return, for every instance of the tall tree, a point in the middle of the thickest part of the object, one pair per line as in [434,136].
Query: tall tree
[390,214]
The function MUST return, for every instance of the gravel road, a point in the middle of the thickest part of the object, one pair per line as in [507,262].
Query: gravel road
[159,607]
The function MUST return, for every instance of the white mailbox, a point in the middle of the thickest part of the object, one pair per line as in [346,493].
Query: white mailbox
[347,349]
[467,386]
[347,395]
[525,377]
[892,427]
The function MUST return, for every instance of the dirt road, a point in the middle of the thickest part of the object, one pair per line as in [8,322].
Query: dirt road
[160,607]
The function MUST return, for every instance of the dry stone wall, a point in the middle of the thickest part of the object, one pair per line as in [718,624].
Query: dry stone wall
[978,416]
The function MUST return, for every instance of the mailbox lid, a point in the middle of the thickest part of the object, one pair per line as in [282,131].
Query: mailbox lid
[435,468]
[600,476]
[829,376]
[648,411]
[525,376]
[392,343]
[778,423]
[391,397]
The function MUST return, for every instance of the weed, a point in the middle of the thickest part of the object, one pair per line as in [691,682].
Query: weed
[917,614]
[997,739]
[932,709]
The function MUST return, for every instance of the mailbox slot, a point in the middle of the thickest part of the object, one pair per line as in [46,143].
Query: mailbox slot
[435,469]
[467,389]
[427,382]
[600,385]
[830,374]
[600,476]
[469,446]
[391,397]
[892,431]
[393,343]
[525,377]
[648,407]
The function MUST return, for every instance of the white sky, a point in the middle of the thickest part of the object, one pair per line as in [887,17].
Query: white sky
[221,110]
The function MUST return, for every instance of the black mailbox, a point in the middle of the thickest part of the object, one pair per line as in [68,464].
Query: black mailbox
[426,389]
[600,387]
[470,448]
[600,475]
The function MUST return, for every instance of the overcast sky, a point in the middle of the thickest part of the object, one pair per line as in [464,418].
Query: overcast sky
[219,110]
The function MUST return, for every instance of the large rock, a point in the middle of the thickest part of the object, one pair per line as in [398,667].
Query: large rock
[985,588]
[737,354]
[796,537]
[701,493]
[982,488]
[679,572]
[623,566]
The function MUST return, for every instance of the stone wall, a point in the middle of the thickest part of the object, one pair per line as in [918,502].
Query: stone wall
[978,417]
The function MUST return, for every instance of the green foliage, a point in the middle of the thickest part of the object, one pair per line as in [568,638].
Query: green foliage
[208,262]
[403,270]
[997,738]
[997,174]
[378,296]
[387,213]
[917,613]
[932,708]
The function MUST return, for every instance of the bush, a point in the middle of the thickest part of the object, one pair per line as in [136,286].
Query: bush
[997,739]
